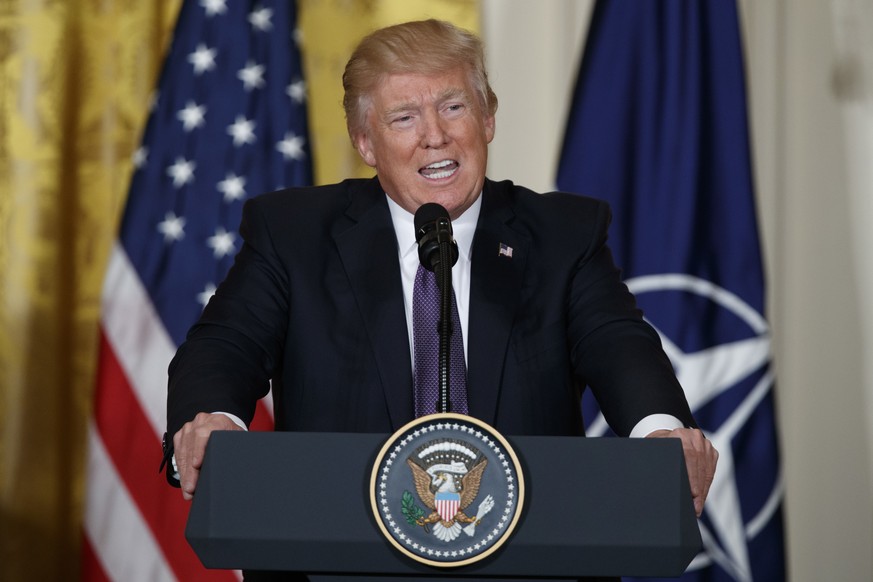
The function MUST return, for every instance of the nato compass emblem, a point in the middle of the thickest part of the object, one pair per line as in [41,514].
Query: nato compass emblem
[447,490]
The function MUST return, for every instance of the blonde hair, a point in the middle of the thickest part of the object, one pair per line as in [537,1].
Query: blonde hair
[424,46]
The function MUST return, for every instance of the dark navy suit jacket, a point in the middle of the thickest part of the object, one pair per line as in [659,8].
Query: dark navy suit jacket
[314,302]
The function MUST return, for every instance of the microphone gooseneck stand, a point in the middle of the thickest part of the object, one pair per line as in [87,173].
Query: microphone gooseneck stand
[443,274]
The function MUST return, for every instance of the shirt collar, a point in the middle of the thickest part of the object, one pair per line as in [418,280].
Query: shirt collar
[463,228]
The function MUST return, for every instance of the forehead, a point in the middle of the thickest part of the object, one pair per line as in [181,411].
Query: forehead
[411,89]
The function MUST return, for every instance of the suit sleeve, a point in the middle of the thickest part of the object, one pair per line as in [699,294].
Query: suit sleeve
[232,351]
[613,349]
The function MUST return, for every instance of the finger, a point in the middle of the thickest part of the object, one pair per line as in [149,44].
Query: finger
[184,452]
[186,444]
[693,445]
[705,460]
[711,462]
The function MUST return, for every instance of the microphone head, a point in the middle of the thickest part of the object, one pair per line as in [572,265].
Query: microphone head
[432,227]
[426,217]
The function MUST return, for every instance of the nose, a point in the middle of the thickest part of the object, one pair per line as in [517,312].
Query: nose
[433,131]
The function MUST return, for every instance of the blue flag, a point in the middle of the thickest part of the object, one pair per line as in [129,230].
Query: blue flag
[228,122]
[658,128]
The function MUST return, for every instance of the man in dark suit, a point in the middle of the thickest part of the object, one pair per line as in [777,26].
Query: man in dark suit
[319,298]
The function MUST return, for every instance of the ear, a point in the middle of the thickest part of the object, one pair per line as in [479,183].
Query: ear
[490,126]
[365,149]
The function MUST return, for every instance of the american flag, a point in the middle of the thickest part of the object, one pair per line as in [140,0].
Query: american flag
[228,121]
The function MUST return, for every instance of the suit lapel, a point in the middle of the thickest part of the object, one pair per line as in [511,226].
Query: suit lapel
[494,297]
[368,248]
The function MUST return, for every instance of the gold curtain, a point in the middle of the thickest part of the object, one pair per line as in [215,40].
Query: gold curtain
[75,81]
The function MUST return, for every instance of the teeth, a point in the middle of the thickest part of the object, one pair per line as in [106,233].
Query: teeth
[441,164]
[441,175]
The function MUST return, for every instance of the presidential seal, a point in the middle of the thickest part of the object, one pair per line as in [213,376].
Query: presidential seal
[447,490]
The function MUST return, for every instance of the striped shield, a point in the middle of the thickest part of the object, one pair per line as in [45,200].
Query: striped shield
[447,504]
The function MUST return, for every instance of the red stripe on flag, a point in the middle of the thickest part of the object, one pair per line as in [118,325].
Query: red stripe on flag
[91,568]
[135,449]
[263,420]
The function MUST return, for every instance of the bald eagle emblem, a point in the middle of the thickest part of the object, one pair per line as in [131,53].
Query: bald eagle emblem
[446,490]
[447,474]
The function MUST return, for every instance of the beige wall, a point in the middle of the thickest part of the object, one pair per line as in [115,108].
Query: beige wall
[810,71]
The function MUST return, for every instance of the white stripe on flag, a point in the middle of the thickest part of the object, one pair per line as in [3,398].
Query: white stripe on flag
[119,535]
[139,340]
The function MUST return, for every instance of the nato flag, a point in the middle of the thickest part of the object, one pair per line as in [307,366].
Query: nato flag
[658,128]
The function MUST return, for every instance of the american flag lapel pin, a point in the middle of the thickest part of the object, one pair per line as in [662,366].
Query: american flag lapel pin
[504,251]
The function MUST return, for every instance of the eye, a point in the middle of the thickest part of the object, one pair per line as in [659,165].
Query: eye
[403,120]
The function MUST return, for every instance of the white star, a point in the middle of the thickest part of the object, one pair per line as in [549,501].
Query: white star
[252,75]
[204,296]
[203,59]
[214,7]
[221,243]
[291,147]
[242,130]
[260,19]
[140,157]
[233,187]
[172,227]
[182,172]
[191,116]
[297,90]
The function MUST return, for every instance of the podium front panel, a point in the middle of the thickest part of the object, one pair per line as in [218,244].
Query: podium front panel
[300,502]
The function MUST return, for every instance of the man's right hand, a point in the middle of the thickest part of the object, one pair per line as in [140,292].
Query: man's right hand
[189,446]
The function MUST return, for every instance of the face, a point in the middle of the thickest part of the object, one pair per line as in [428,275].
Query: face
[427,137]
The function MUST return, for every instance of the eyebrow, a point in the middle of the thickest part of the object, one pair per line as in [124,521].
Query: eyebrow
[446,95]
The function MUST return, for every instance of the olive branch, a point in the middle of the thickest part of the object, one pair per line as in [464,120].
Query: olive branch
[410,510]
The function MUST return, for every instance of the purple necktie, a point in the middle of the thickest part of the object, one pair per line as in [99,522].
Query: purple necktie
[425,318]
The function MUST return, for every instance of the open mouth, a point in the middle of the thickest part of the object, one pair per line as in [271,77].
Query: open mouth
[439,170]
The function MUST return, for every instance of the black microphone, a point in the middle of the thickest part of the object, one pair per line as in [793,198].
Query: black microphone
[432,227]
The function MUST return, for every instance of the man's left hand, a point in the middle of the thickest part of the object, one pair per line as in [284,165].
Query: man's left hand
[700,460]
